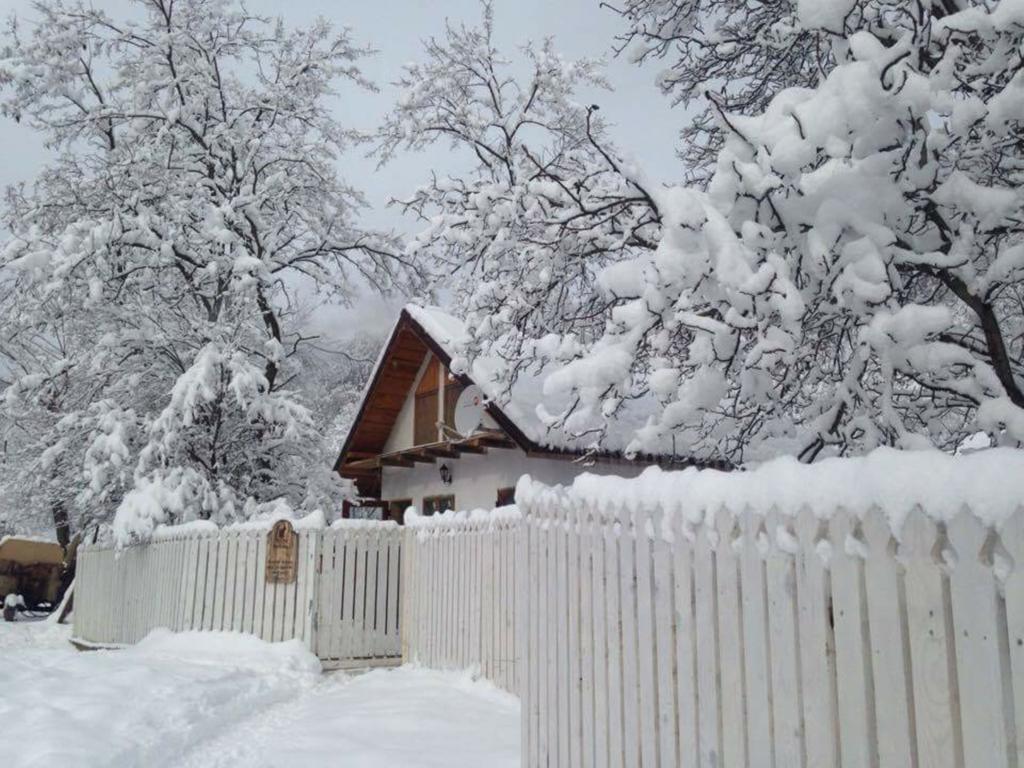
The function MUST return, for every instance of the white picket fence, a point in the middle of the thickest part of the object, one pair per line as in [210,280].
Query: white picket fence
[344,606]
[771,641]
[461,594]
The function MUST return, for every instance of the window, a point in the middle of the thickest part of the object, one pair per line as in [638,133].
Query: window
[396,509]
[435,504]
[506,496]
[365,511]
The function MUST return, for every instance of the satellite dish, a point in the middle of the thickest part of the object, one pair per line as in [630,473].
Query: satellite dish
[469,410]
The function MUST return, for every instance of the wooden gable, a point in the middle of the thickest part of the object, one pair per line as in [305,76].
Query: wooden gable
[393,382]
[379,411]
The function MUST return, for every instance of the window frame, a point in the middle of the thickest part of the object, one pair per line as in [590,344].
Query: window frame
[435,498]
[396,507]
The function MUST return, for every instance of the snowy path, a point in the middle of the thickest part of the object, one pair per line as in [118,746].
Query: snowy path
[402,718]
[212,699]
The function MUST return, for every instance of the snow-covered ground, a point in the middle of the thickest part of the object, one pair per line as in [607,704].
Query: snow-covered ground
[217,699]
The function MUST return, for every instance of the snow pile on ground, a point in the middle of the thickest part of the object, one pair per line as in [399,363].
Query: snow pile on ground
[400,718]
[144,705]
[30,633]
[230,650]
[201,700]
[989,482]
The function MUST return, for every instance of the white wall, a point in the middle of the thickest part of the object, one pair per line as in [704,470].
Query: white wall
[402,433]
[476,478]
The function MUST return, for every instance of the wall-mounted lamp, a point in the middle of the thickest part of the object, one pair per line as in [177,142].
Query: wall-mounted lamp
[446,474]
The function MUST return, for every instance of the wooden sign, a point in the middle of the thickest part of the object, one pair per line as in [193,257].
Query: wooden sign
[282,553]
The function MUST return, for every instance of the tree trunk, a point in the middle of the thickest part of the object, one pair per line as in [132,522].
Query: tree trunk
[61,525]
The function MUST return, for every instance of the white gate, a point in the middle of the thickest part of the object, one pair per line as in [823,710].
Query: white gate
[358,601]
[343,602]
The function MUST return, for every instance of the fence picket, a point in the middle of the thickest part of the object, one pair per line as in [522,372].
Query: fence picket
[220,547]
[854,683]
[730,640]
[709,710]
[394,582]
[938,740]
[783,642]
[984,701]
[1012,536]
[563,682]
[628,611]
[685,640]
[550,680]
[647,682]
[586,635]
[510,539]
[817,646]
[664,649]
[753,587]
[534,702]
[600,650]
[888,659]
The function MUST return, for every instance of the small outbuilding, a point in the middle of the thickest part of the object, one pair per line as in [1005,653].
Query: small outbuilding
[430,438]
[31,568]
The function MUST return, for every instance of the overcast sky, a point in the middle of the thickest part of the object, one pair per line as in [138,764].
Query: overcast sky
[642,123]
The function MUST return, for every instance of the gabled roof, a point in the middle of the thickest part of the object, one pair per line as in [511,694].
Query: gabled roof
[420,330]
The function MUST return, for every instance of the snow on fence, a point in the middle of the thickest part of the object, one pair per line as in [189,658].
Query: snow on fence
[663,631]
[460,587]
[344,606]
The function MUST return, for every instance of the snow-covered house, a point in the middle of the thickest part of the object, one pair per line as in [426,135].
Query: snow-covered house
[404,449]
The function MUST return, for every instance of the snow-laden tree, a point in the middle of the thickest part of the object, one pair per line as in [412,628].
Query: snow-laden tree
[535,200]
[729,54]
[150,329]
[334,375]
[854,274]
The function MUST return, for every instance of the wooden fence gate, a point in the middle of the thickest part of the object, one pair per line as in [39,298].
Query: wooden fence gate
[357,611]
[342,602]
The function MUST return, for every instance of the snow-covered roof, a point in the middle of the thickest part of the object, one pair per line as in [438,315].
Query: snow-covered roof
[526,404]
[30,549]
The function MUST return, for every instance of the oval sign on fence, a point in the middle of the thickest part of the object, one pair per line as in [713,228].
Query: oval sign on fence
[282,553]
